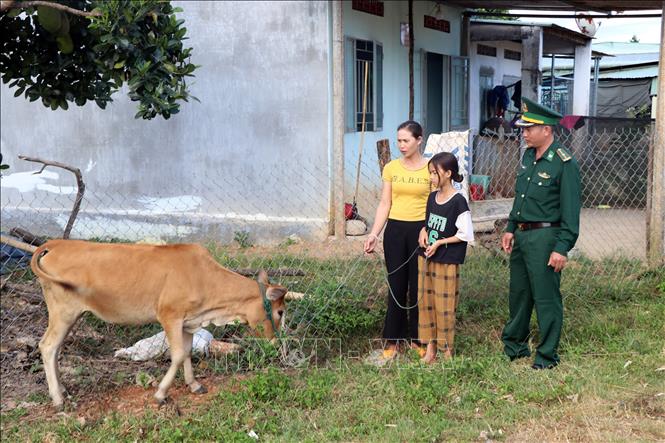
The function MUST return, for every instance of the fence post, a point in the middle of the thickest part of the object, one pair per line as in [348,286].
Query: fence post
[337,213]
[383,151]
[655,243]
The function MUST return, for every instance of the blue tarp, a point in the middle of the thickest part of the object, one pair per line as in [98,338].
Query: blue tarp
[12,258]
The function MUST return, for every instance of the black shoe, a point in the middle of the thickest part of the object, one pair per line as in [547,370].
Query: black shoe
[517,357]
[539,366]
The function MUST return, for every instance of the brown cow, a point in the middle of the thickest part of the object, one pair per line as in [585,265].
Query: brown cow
[181,286]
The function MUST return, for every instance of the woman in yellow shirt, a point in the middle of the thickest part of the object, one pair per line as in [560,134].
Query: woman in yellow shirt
[406,186]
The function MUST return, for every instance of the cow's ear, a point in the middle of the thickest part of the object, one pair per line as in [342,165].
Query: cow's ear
[275,293]
[263,277]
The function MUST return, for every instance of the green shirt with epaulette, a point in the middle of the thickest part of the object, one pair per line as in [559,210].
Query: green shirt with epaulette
[548,190]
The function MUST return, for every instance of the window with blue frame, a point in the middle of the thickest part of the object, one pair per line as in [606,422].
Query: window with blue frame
[361,55]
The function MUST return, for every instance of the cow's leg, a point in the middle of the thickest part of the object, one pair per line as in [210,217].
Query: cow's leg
[174,335]
[59,324]
[194,386]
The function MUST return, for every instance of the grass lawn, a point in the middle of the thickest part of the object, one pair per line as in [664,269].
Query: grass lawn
[610,385]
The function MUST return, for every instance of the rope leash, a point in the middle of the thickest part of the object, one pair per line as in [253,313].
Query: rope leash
[422,282]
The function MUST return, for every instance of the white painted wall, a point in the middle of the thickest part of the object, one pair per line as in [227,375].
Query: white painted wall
[386,30]
[253,156]
[498,64]
[582,78]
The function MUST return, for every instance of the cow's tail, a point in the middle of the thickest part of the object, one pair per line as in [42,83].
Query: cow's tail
[41,272]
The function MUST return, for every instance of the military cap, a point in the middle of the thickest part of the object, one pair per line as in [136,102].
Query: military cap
[537,114]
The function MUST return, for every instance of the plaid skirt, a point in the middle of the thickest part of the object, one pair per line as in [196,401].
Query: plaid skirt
[438,294]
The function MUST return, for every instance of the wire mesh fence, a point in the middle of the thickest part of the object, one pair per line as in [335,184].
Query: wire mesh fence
[338,294]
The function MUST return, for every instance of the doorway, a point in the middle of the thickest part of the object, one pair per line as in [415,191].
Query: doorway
[437,85]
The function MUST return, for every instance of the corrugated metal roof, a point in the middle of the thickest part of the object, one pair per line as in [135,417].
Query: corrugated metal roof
[525,23]
[626,47]
[637,72]
[616,61]
[641,71]
[561,5]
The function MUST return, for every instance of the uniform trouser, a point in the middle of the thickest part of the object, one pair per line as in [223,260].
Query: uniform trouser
[438,293]
[399,243]
[532,282]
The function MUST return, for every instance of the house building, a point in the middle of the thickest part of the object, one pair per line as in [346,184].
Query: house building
[256,154]
[627,78]
[497,50]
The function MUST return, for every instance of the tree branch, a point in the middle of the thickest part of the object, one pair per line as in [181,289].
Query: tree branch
[33,3]
[79,182]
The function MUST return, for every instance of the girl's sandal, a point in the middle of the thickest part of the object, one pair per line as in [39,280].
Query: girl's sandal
[427,360]
[421,351]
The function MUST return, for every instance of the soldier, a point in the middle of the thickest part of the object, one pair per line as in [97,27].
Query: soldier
[543,226]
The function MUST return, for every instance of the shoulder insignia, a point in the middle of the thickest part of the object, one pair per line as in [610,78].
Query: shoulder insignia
[563,154]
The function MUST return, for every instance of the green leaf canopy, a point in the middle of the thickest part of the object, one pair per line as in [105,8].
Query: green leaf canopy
[59,56]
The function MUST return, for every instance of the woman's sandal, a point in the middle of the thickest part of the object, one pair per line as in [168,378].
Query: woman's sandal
[428,361]
[421,351]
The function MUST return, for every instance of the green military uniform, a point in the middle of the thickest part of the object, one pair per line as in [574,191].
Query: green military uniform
[544,218]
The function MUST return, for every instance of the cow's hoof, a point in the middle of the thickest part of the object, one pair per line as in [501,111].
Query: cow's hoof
[163,401]
[200,390]
[59,407]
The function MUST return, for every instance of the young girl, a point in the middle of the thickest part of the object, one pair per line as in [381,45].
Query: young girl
[446,233]
[406,185]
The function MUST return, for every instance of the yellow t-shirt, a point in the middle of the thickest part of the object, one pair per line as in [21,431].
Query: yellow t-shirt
[410,190]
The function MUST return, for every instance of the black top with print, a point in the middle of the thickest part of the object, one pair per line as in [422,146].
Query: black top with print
[440,223]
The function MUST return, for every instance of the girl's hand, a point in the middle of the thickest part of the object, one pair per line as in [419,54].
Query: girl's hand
[431,249]
[370,243]
[422,238]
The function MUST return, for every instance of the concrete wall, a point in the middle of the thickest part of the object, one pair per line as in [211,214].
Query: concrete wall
[386,30]
[253,155]
[498,64]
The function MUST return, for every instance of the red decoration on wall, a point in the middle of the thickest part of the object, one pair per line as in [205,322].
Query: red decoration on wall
[374,7]
[438,25]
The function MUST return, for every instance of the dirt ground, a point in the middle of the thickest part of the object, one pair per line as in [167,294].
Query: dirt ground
[612,232]
[639,418]
[129,399]
[603,233]
[86,363]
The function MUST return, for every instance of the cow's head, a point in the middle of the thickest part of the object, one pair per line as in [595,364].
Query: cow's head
[273,306]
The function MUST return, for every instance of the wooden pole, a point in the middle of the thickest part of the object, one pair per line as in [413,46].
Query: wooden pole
[383,151]
[411,99]
[656,241]
[17,244]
